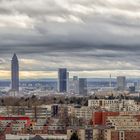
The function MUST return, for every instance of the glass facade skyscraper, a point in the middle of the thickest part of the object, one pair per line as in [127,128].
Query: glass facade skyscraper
[62,80]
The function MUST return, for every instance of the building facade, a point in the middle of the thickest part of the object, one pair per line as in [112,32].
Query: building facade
[75,84]
[15,73]
[82,86]
[121,83]
[62,80]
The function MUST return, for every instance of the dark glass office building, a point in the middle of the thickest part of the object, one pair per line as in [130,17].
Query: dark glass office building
[15,73]
[62,80]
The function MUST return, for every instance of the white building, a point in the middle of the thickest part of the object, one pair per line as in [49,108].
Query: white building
[114,105]
[29,137]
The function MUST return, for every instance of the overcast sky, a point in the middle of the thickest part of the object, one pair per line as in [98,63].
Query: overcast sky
[92,38]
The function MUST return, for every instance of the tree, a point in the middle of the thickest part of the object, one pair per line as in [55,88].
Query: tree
[99,136]
[2,102]
[61,102]
[71,101]
[86,103]
[96,98]
[66,100]
[74,136]
[54,100]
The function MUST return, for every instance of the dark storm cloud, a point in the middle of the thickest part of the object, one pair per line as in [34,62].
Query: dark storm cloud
[59,32]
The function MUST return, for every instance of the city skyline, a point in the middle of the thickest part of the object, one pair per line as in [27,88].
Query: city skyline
[89,38]
[54,73]
[69,70]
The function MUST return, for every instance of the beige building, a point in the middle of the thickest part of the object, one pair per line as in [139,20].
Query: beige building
[124,122]
[84,112]
[114,105]
[29,137]
[84,133]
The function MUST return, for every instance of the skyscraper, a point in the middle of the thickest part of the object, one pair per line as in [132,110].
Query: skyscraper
[121,83]
[62,80]
[75,84]
[15,73]
[68,82]
[82,86]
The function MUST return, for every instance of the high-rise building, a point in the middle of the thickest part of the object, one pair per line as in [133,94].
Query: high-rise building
[68,82]
[82,86]
[75,78]
[15,73]
[75,84]
[121,83]
[62,80]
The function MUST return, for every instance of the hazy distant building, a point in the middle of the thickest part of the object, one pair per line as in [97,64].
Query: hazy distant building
[82,86]
[75,84]
[62,80]
[121,83]
[132,89]
[15,73]
[68,82]
[75,78]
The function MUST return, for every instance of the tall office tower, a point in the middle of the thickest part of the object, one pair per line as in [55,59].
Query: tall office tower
[15,73]
[75,84]
[121,83]
[82,86]
[68,82]
[62,80]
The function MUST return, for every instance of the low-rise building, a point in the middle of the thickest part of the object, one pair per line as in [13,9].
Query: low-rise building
[32,137]
[83,133]
[84,112]
[114,105]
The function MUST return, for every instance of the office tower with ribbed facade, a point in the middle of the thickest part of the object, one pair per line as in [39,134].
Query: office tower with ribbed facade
[14,73]
[62,80]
